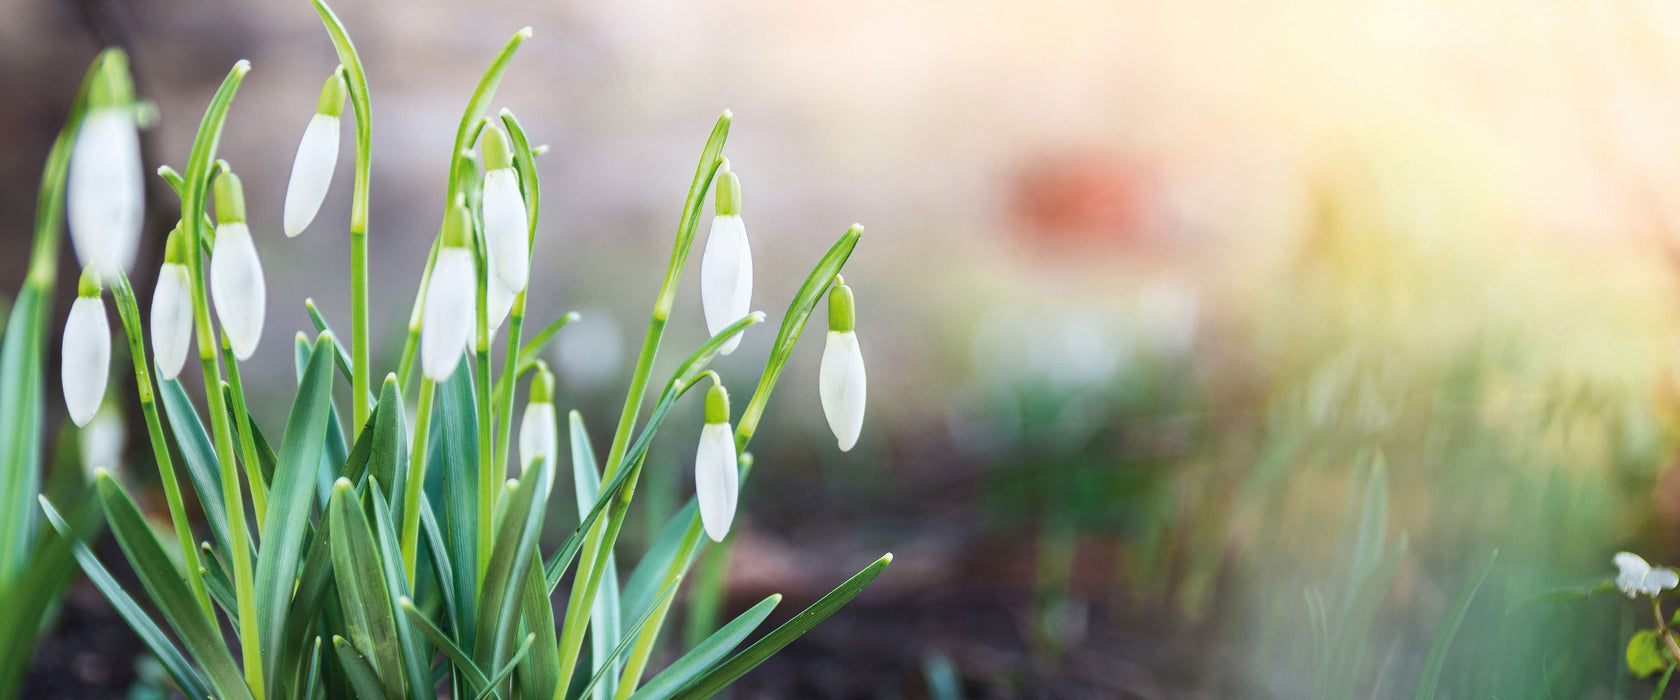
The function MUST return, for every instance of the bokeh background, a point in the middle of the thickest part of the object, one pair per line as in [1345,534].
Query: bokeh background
[1214,346]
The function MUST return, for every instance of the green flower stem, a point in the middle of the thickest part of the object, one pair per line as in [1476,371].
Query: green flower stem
[602,535]
[192,205]
[490,477]
[358,94]
[505,383]
[129,311]
[247,442]
[416,481]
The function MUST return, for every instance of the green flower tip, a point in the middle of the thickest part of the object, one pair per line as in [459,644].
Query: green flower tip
[333,94]
[230,198]
[497,153]
[89,286]
[728,191]
[175,247]
[115,87]
[542,386]
[842,311]
[717,405]
[457,227]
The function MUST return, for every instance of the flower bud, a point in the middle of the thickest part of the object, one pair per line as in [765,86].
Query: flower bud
[726,274]
[539,434]
[317,155]
[106,190]
[86,361]
[506,229]
[717,475]
[172,314]
[841,384]
[451,296]
[236,276]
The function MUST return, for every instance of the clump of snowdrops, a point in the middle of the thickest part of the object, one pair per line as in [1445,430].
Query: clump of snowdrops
[357,559]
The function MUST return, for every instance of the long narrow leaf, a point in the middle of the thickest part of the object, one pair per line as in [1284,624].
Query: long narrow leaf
[1436,660]
[707,654]
[362,591]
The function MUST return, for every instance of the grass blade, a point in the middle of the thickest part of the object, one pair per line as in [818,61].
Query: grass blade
[504,578]
[1430,679]
[461,659]
[704,656]
[362,678]
[362,591]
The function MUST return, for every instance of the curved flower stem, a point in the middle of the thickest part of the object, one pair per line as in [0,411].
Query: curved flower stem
[416,480]
[129,311]
[358,94]
[1663,628]
[247,442]
[192,207]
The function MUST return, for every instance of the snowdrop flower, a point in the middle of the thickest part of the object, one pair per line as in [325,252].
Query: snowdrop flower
[106,190]
[498,302]
[841,384]
[317,154]
[506,230]
[451,295]
[172,313]
[1638,577]
[102,440]
[726,274]
[717,477]
[236,276]
[87,351]
[539,434]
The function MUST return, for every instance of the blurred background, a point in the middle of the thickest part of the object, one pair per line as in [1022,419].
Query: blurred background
[1214,346]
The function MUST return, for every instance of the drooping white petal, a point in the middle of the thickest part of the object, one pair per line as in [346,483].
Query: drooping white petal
[726,277]
[237,288]
[716,479]
[498,301]
[1637,577]
[172,319]
[102,441]
[843,387]
[506,230]
[106,191]
[539,437]
[449,318]
[312,173]
[87,358]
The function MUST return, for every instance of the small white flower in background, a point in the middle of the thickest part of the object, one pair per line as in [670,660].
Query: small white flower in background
[236,275]
[106,191]
[539,431]
[841,384]
[317,155]
[506,229]
[717,476]
[102,440]
[451,296]
[1637,577]
[726,271]
[172,314]
[87,351]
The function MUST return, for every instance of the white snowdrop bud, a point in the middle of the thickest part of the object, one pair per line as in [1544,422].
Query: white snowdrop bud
[506,229]
[106,190]
[717,477]
[726,272]
[236,276]
[86,364]
[539,431]
[498,302]
[172,314]
[1637,577]
[317,155]
[841,384]
[451,295]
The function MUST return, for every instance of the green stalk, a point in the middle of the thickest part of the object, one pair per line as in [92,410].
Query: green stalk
[526,167]
[358,93]
[130,314]
[247,443]
[603,535]
[192,206]
[416,480]
[489,479]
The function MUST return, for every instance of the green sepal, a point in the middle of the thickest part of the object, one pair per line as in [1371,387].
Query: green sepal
[114,86]
[542,385]
[175,246]
[727,191]
[493,145]
[457,227]
[717,405]
[333,94]
[89,287]
[230,198]
[842,310]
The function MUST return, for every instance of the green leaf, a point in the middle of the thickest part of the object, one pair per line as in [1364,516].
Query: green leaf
[540,671]
[265,451]
[603,617]
[150,634]
[415,657]
[440,560]
[1430,678]
[504,578]
[290,500]
[1645,653]
[168,589]
[489,688]
[457,441]
[722,675]
[607,666]
[704,656]
[461,659]
[200,458]
[362,590]
[529,352]
[388,461]
[314,670]
[341,355]
[362,677]
[650,571]
[218,583]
